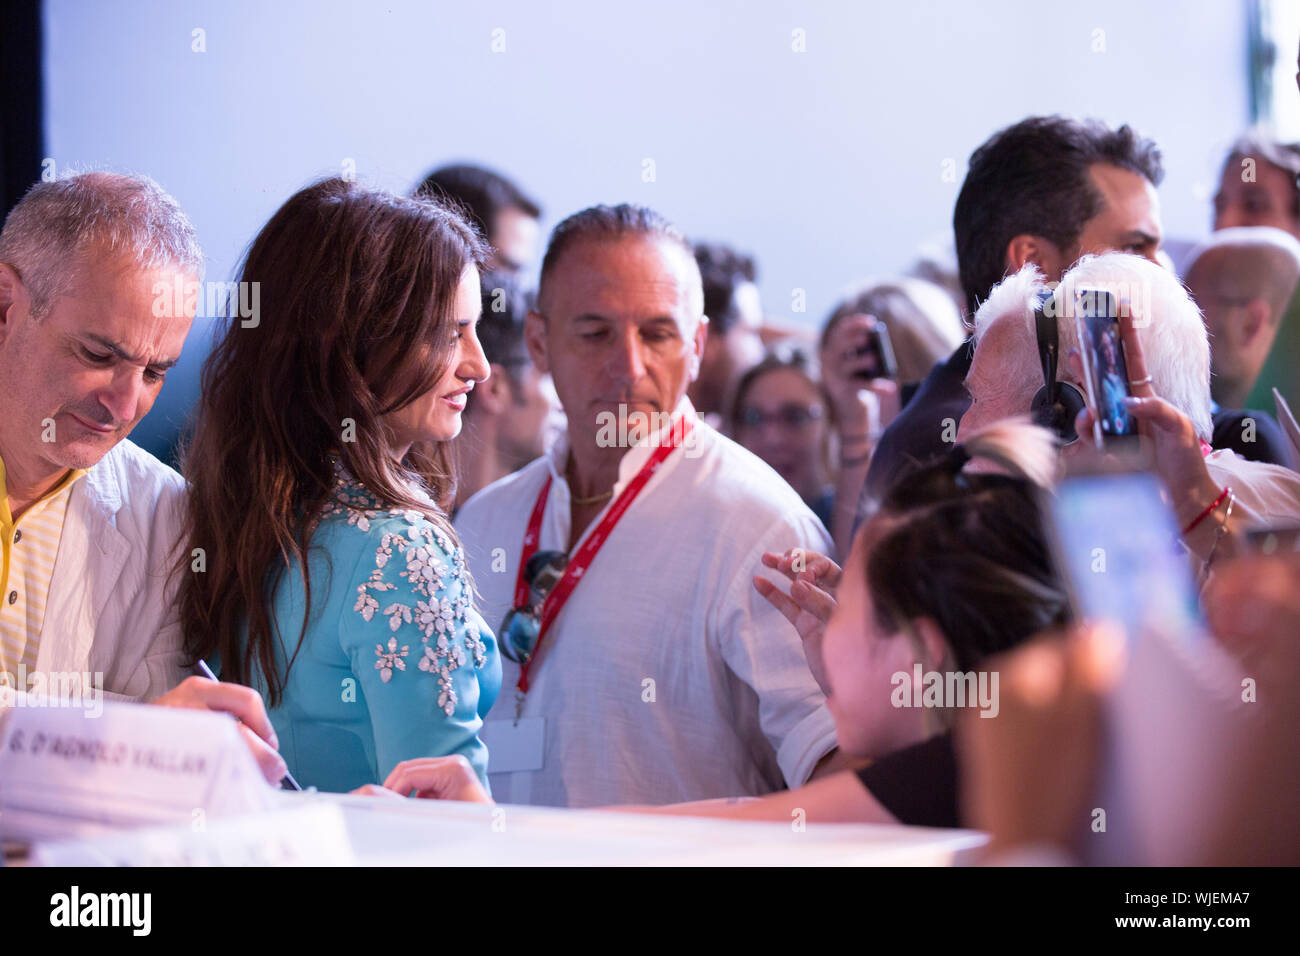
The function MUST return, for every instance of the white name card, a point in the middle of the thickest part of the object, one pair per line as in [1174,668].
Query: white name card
[514,744]
[310,835]
[65,773]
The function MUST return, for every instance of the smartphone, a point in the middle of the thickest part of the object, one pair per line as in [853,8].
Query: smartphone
[1096,314]
[1175,715]
[881,351]
[1117,546]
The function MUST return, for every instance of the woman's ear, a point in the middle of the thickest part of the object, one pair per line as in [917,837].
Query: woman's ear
[933,641]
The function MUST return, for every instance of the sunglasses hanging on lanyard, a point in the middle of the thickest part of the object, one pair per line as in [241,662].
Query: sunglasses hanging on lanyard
[547,578]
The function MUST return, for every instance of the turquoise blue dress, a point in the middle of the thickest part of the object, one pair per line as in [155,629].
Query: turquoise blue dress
[396,663]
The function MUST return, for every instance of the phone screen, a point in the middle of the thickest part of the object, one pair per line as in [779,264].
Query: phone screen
[1117,545]
[881,354]
[1097,318]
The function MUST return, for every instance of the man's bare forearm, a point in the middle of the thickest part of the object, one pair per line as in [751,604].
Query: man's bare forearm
[834,762]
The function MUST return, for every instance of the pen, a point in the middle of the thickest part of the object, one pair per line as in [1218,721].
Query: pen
[288,783]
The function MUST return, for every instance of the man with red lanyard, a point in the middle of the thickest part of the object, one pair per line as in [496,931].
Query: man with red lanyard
[1214,493]
[647,667]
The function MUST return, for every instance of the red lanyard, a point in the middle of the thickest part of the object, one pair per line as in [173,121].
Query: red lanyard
[675,435]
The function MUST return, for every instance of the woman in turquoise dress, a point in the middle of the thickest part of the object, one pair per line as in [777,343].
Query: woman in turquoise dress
[322,568]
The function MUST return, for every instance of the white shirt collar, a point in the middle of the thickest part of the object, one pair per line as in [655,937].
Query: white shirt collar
[557,456]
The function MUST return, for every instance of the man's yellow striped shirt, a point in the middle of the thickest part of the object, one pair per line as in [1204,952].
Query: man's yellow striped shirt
[28,548]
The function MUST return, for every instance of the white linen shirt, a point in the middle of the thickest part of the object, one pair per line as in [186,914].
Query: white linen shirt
[666,676]
[1265,495]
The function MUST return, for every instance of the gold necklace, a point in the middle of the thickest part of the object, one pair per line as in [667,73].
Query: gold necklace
[574,499]
[592,500]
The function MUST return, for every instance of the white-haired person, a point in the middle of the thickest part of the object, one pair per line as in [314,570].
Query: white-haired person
[1243,279]
[90,523]
[953,569]
[1167,353]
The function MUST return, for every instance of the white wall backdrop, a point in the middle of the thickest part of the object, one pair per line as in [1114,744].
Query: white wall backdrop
[827,163]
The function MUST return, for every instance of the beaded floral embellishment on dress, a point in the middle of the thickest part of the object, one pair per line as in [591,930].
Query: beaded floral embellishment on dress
[434,569]
[391,659]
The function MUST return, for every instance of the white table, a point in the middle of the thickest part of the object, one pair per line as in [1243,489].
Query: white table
[379,831]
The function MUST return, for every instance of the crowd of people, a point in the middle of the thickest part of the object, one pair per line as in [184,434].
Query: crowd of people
[625,540]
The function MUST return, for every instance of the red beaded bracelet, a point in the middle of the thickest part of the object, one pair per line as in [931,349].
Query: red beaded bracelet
[1207,512]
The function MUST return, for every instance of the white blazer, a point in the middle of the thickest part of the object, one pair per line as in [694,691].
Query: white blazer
[112,603]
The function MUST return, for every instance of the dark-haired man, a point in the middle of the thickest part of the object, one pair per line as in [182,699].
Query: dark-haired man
[1047,190]
[506,217]
[733,345]
[509,417]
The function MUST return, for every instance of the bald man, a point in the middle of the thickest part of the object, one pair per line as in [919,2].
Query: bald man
[1242,278]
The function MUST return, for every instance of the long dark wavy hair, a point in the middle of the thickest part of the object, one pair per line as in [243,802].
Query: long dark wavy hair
[356,296]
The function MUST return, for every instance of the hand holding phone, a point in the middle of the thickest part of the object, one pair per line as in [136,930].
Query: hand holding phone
[1106,368]
[875,356]
[1173,446]
[1175,713]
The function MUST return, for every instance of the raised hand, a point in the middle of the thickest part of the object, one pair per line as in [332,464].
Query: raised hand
[810,603]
